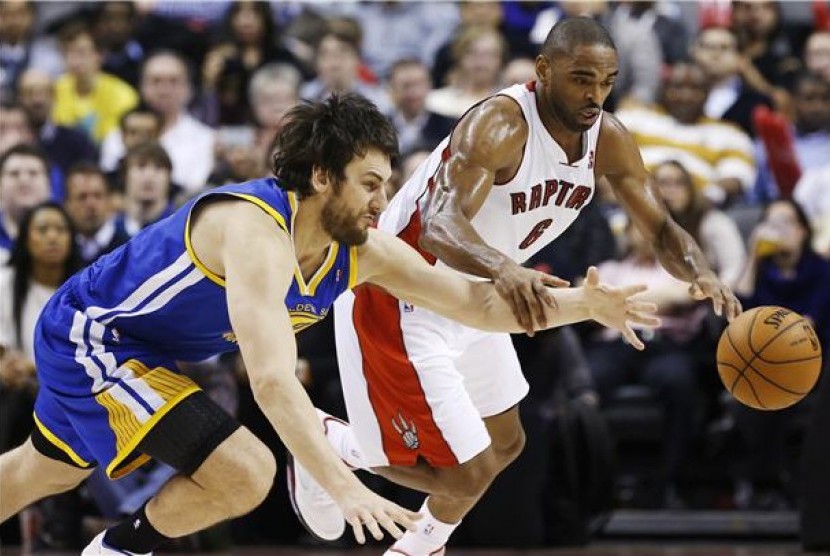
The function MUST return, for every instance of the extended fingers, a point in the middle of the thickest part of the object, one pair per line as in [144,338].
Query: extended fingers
[634,289]
[632,338]
[357,528]
[555,281]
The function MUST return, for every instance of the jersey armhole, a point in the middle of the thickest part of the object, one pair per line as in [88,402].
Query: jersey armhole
[212,276]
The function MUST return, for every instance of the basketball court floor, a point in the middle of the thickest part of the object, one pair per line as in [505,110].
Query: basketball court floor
[599,549]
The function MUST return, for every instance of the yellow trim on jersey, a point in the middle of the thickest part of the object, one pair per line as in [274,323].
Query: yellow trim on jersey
[324,269]
[300,320]
[219,280]
[212,276]
[352,266]
[129,432]
[60,444]
[310,288]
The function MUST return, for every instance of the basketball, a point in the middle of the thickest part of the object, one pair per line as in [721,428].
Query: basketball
[769,358]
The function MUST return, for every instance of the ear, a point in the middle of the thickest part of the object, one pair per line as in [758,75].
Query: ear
[320,180]
[542,69]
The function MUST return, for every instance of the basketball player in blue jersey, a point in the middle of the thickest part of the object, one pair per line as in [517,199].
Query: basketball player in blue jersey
[242,266]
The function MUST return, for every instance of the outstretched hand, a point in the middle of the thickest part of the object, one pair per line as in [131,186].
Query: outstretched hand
[616,308]
[526,292]
[363,508]
[709,286]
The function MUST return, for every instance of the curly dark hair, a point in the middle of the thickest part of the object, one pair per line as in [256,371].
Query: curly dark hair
[328,135]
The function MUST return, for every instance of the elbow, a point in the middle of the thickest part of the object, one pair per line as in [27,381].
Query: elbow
[265,391]
[432,232]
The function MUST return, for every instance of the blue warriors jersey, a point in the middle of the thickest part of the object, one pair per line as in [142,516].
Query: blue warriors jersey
[156,291]
[107,343]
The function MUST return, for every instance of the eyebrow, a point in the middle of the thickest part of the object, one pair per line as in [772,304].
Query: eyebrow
[586,73]
[374,174]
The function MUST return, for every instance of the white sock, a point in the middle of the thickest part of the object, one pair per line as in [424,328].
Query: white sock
[431,534]
[342,439]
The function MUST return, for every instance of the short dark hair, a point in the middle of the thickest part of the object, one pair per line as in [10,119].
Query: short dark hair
[151,152]
[83,168]
[571,32]
[75,29]
[25,150]
[328,135]
[140,109]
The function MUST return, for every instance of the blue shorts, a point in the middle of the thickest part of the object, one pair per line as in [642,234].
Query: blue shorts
[100,391]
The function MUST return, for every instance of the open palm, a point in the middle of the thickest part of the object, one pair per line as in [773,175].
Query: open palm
[616,308]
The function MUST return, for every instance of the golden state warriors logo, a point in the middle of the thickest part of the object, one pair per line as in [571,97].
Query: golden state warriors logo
[229,337]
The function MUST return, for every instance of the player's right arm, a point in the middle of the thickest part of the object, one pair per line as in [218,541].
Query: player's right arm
[257,259]
[487,145]
[388,262]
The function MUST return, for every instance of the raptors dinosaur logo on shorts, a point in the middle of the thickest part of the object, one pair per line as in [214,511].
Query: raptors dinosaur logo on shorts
[407,430]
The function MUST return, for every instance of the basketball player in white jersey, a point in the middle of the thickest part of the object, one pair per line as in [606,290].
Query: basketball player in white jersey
[432,403]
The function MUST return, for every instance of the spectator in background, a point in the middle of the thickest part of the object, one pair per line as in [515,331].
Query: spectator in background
[731,97]
[138,126]
[669,364]
[758,27]
[273,91]
[396,30]
[89,205]
[518,71]
[114,26]
[663,19]
[86,97]
[716,233]
[478,54]
[475,14]
[43,258]
[817,54]
[147,170]
[250,43]
[783,270]
[15,128]
[409,85]
[718,155]
[166,89]
[812,192]
[24,183]
[811,131]
[64,146]
[19,49]
[338,63]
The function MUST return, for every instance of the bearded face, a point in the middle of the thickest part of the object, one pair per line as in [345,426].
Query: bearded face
[344,224]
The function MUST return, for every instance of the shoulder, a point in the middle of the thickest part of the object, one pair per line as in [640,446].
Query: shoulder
[617,151]
[496,125]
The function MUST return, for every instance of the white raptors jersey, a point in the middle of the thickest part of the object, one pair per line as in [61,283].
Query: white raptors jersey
[523,215]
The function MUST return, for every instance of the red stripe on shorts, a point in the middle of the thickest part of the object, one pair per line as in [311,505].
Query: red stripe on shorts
[394,388]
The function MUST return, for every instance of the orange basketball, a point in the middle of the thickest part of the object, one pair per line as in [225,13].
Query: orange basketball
[769,357]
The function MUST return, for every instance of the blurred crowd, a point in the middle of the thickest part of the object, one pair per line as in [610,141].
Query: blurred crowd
[114,113]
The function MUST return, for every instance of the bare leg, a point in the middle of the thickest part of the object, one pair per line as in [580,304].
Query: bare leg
[26,476]
[232,481]
[455,490]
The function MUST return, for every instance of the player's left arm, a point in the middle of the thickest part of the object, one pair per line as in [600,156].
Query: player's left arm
[388,262]
[618,159]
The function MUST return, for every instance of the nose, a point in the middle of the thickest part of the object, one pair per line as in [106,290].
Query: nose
[380,200]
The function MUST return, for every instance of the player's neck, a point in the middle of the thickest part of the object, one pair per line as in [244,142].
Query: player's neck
[310,238]
[569,140]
